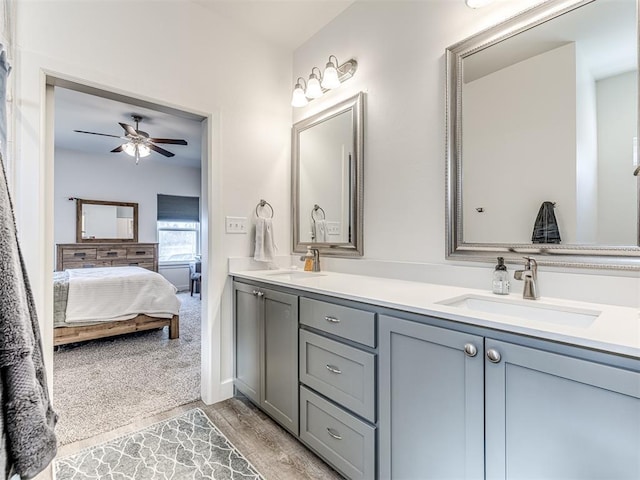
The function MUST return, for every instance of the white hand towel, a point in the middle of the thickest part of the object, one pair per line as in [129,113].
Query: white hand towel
[265,246]
[321,231]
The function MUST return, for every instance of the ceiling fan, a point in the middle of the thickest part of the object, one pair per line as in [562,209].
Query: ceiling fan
[138,143]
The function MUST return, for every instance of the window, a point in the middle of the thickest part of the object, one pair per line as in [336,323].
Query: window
[178,228]
[178,241]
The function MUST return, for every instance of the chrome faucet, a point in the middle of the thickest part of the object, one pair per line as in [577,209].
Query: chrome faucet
[315,260]
[530,277]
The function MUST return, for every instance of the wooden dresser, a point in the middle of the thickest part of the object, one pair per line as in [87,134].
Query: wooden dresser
[87,255]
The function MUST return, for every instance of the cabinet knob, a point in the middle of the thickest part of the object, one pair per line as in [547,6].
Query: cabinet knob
[331,433]
[493,355]
[333,369]
[470,349]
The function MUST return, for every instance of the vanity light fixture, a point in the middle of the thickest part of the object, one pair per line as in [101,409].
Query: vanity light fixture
[314,90]
[330,76]
[299,99]
[477,3]
[318,83]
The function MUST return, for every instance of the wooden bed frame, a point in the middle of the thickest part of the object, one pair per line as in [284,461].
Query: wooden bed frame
[64,335]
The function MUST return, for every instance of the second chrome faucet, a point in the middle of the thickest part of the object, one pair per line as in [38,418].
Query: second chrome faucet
[530,277]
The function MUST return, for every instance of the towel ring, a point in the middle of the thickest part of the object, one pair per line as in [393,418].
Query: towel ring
[264,203]
[315,209]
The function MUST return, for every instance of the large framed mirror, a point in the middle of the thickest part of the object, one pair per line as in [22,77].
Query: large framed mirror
[327,190]
[542,128]
[101,221]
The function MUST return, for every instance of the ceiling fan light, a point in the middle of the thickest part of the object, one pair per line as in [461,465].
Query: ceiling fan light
[143,150]
[330,77]
[129,148]
[313,87]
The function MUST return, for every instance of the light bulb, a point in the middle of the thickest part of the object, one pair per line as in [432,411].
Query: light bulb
[313,87]
[129,149]
[143,150]
[298,99]
[477,3]
[330,77]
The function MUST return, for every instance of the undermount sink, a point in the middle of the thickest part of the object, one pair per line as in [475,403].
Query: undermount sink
[295,274]
[525,310]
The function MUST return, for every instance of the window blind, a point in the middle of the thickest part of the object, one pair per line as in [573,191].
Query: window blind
[174,208]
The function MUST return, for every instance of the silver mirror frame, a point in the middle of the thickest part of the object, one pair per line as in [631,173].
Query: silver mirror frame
[354,248]
[597,257]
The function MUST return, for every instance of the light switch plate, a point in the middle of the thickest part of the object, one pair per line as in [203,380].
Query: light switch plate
[236,225]
[333,228]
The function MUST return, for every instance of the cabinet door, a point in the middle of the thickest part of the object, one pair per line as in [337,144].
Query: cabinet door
[431,402]
[556,417]
[280,362]
[248,329]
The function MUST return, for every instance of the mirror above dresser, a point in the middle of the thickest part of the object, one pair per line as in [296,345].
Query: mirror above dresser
[542,137]
[104,221]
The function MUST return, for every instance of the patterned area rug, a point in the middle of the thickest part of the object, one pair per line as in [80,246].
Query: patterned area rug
[185,447]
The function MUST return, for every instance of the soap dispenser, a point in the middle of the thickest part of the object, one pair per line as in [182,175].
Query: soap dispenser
[501,278]
[308,260]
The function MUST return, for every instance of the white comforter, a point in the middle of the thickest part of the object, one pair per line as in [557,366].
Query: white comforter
[118,293]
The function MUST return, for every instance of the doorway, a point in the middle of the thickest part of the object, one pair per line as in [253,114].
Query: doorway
[140,348]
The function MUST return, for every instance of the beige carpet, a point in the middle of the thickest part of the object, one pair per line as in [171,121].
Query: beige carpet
[104,384]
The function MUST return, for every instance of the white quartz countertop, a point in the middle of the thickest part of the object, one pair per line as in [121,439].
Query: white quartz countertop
[616,329]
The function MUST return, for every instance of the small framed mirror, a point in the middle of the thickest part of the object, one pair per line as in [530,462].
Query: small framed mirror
[101,221]
[327,190]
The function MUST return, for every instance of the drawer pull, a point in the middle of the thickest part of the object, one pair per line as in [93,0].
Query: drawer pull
[333,369]
[331,431]
[112,254]
[133,264]
[141,252]
[332,319]
[80,254]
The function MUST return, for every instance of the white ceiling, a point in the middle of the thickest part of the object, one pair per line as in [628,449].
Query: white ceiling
[287,23]
[81,111]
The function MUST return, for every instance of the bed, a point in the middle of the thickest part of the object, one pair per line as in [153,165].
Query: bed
[91,303]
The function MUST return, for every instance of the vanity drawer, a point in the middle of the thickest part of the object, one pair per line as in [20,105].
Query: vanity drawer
[346,322]
[342,373]
[78,255]
[141,252]
[341,439]
[111,253]
[142,263]
[86,264]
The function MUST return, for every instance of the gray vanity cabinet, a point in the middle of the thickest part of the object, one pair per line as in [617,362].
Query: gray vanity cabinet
[431,394]
[553,416]
[266,330]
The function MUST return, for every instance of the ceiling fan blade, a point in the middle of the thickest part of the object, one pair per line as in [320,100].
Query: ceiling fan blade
[129,129]
[169,140]
[117,149]
[94,133]
[161,151]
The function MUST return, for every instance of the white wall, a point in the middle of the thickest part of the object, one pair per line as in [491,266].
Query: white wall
[618,188]
[116,178]
[172,52]
[586,153]
[400,49]
[520,105]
